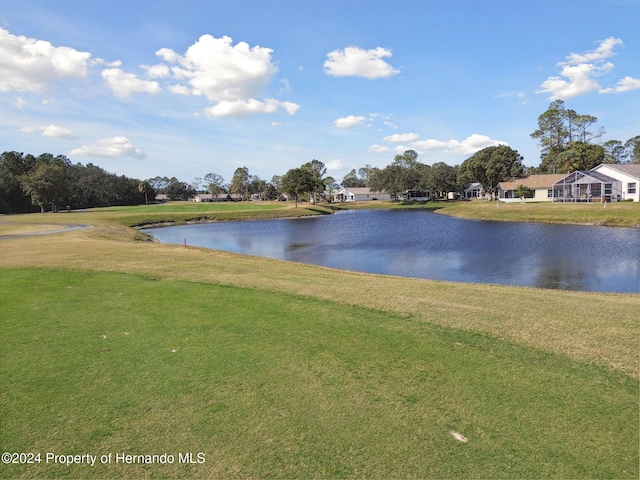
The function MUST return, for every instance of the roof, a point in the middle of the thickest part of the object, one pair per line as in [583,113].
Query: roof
[533,181]
[631,169]
[473,186]
[574,177]
[362,191]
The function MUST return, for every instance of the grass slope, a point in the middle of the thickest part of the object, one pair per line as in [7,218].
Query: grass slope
[278,385]
[115,344]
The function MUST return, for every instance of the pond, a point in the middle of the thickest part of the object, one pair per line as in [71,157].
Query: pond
[423,244]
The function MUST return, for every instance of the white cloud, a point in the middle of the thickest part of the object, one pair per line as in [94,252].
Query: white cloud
[51,131]
[335,164]
[290,107]
[247,108]
[379,148]
[157,71]
[468,146]
[579,81]
[221,71]
[349,121]
[605,50]
[357,62]
[27,64]
[402,137]
[230,75]
[55,131]
[431,144]
[115,147]
[179,89]
[124,84]
[578,71]
[627,84]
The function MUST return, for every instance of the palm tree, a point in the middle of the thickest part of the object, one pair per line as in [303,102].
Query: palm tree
[523,191]
[145,187]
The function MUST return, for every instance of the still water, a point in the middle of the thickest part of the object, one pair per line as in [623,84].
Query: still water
[422,244]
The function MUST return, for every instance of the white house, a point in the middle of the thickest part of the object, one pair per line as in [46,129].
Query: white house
[473,191]
[540,187]
[359,194]
[628,175]
[221,197]
[587,186]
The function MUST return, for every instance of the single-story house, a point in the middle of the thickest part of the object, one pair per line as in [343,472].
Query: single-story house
[359,194]
[221,197]
[416,196]
[540,188]
[161,197]
[587,186]
[474,190]
[627,174]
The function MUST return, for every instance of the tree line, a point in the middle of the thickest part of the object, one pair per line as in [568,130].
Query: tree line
[45,182]
[568,141]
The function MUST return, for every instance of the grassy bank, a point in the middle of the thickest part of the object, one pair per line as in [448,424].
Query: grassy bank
[622,214]
[274,369]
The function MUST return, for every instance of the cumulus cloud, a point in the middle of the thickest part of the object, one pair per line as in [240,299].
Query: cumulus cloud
[157,71]
[379,148]
[604,50]
[123,84]
[28,64]
[246,108]
[51,131]
[232,76]
[578,72]
[627,84]
[335,164]
[55,131]
[115,147]
[402,137]
[221,71]
[357,62]
[468,146]
[350,121]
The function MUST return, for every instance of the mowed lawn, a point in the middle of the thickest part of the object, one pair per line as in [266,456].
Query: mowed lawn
[115,345]
[272,384]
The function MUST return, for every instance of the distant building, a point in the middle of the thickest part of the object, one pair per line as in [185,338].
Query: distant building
[221,197]
[540,187]
[359,194]
[473,191]
[628,175]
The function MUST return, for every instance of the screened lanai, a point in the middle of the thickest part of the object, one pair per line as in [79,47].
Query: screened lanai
[588,186]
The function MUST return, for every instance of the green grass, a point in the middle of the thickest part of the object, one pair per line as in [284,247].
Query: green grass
[620,214]
[280,385]
[282,370]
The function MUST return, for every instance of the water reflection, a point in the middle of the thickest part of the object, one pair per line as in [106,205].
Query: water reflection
[418,243]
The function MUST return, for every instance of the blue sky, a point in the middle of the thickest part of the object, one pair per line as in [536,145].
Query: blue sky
[145,88]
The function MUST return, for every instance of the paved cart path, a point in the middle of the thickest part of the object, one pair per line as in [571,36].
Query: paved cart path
[64,228]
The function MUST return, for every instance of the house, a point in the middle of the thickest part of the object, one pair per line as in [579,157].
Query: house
[473,191]
[540,187]
[627,174]
[221,197]
[161,198]
[202,197]
[359,194]
[415,196]
[587,186]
